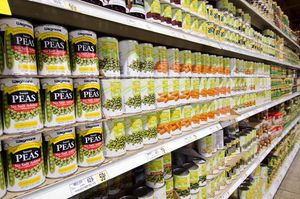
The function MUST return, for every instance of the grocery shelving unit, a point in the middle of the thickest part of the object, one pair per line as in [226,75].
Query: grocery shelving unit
[282,172]
[244,174]
[262,22]
[86,178]
[75,13]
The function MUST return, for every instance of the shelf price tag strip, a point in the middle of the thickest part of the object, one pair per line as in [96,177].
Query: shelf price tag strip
[155,153]
[86,183]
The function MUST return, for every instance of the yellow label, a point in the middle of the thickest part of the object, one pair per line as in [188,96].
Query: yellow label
[66,136]
[136,124]
[181,182]
[152,121]
[55,68]
[27,67]
[67,168]
[64,118]
[90,131]
[92,114]
[119,129]
[165,116]
[89,85]
[26,124]
[94,159]
[45,35]
[175,84]
[155,165]
[21,87]
[61,86]
[24,146]
[4,8]
[31,181]
[19,30]
[86,69]
[84,39]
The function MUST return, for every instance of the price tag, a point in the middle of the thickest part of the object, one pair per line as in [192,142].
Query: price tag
[71,6]
[190,138]
[101,177]
[131,22]
[4,7]
[59,3]
[155,153]
[82,185]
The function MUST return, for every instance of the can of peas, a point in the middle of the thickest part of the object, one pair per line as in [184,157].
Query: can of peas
[84,60]
[90,144]
[52,50]
[61,155]
[21,103]
[19,48]
[58,101]
[25,163]
[88,100]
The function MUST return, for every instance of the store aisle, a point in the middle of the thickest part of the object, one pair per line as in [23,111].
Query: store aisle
[290,186]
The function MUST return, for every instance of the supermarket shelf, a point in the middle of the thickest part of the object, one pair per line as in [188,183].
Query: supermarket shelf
[281,174]
[262,22]
[80,14]
[125,115]
[245,173]
[253,111]
[81,181]
[86,178]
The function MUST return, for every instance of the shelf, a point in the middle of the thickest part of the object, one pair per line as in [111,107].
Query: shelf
[281,174]
[261,22]
[246,172]
[253,111]
[125,115]
[87,16]
[86,178]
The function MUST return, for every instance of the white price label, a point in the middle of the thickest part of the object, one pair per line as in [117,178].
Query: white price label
[82,185]
[190,138]
[71,6]
[155,153]
[60,3]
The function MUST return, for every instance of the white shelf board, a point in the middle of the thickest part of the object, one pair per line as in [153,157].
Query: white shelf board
[81,14]
[264,22]
[246,172]
[253,111]
[85,180]
[281,174]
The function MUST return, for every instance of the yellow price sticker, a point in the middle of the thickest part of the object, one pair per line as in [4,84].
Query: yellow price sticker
[4,7]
